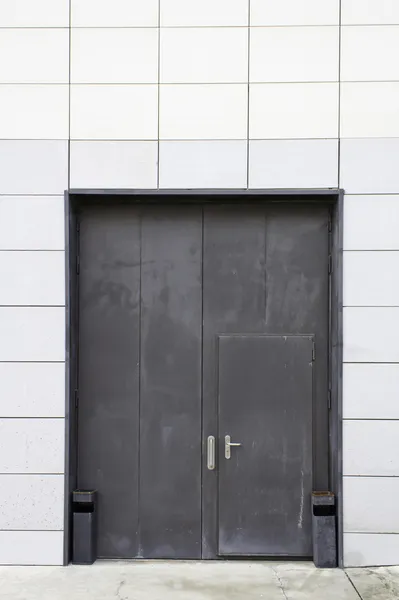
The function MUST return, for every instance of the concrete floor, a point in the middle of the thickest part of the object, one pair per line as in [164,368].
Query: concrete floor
[162,580]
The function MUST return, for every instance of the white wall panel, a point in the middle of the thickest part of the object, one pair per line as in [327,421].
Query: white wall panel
[32,446]
[370,391]
[362,549]
[371,334]
[34,56]
[294,12]
[114,112]
[204,55]
[191,13]
[293,110]
[370,278]
[32,334]
[370,504]
[118,13]
[371,448]
[32,278]
[370,109]
[370,53]
[34,502]
[201,112]
[114,55]
[32,389]
[40,13]
[294,54]
[31,547]
[370,166]
[369,12]
[371,222]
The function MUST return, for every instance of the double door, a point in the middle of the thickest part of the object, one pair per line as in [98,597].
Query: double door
[201,327]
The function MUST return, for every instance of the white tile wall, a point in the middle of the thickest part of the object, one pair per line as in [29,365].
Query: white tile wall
[370,391]
[370,278]
[294,54]
[369,12]
[33,278]
[294,12]
[369,166]
[371,448]
[371,334]
[201,112]
[37,446]
[32,223]
[293,164]
[293,110]
[119,13]
[191,13]
[114,112]
[41,13]
[31,547]
[114,55]
[34,55]
[32,502]
[32,334]
[32,389]
[370,504]
[371,222]
[204,55]
[203,164]
[370,53]
[370,109]
[367,550]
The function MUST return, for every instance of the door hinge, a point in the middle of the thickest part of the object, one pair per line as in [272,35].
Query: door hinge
[77,265]
[313,351]
[329,399]
[76,398]
[330,264]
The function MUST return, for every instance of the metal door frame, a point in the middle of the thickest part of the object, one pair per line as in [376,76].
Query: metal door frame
[333,197]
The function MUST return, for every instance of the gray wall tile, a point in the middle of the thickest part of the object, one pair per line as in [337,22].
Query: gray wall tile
[31,547]
[370,165]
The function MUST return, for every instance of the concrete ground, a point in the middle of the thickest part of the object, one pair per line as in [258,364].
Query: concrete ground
[162,580]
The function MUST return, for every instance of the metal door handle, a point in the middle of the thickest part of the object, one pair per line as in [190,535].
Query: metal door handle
[227,445]
[211,453]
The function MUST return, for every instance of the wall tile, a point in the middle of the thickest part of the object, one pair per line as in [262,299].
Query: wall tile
[203,112]
[362,549]
[34,55]
[370,278]
[33,278]
[371,334]
[204,55]
[294,12]
[370,391]
[114,165]
[371,222]
[32,389]
[114,55]
[41,13]
[370,166]
[119,13]
[31,547]
[371,448]
[370,504]
[299,54]
[32,334]
[293,110]
[211,164]
[32,446]
[34,112]
[114,112]
[32,223]
[33,166]
[370,109]
[32,502]
[191,13]
[293,164]
[370,53]
[369,12]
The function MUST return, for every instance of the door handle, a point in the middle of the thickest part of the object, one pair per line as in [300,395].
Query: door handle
[211,453]
[227,445]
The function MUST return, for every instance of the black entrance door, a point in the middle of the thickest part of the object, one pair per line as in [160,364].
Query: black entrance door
[198,321]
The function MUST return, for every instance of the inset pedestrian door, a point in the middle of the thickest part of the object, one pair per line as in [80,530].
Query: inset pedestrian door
[201,321]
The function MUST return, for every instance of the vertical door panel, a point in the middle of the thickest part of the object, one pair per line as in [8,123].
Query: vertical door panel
[265,404]
[108,372]
[170,403]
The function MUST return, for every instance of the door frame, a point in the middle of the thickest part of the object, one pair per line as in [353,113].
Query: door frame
[75,198]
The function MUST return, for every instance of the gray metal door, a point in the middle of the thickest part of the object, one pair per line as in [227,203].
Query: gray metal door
[265,445]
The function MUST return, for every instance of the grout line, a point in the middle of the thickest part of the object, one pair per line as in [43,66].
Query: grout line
[159,90]
[164,83]
[32,418]
[249,88]
[339,94]
[264,26]
[69,94]
[352,584]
